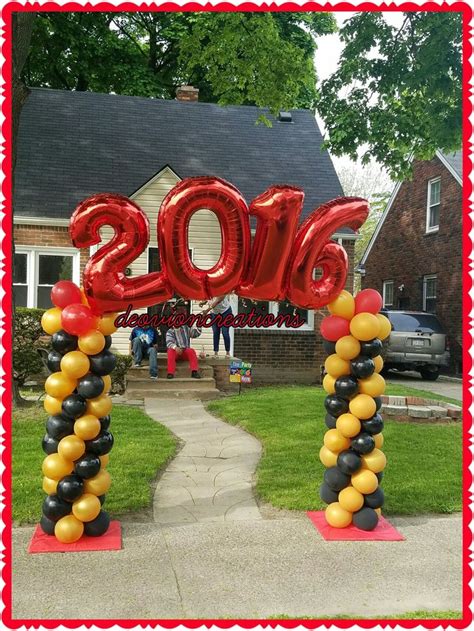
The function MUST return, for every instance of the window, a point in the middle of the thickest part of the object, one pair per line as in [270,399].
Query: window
[263,308]
[388,293]
[51,268]
[433,205]
[20,285]
[409,322]
[429,293]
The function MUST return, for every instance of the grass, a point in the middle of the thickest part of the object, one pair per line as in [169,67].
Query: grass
[420,614]
[141,447]
[424,471]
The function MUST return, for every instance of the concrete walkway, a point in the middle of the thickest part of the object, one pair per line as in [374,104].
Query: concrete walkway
[448,388]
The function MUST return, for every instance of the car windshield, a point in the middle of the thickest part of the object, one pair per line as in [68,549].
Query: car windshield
[407,322]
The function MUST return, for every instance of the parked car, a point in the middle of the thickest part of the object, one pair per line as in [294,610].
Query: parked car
[417,342]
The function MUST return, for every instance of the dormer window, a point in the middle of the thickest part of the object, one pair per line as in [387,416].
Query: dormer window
[433,205]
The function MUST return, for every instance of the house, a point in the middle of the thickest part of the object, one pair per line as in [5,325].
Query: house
[415,255]
[74,144]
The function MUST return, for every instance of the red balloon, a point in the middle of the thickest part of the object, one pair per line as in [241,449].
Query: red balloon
[65,293]
[368,301]
[313,248]
[77,319]
[334,327]
[179,205]
[105,284]
[277,211]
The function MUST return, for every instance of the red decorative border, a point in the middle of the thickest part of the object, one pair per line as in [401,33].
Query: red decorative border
[6,223]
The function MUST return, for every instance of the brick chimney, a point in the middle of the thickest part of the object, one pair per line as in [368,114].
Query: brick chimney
[187,93]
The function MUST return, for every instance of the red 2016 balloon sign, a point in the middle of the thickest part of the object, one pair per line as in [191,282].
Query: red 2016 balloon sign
[279,264]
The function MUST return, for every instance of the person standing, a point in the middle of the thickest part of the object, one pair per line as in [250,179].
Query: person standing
[178,345]
[144,343]
[219,306]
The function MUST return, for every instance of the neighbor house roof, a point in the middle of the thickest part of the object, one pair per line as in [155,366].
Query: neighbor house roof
[74,144]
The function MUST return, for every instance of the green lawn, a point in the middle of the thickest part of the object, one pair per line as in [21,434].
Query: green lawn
[424,468]
[421,614]
[141,448]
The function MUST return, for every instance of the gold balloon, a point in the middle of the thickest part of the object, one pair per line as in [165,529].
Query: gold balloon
[385,326]
[87,507]
[348,424]
[336,367]
[335,441]
[52,405]
[378,440]
[347,347]
[337,516]
[106,323]
[107,384]
[328,384]
[100,406]
[374,385]
[56,467]
[87,427]
[71,447]
[91,343]
[104,460]
[51,320]
[343,306]
[362,406]
[59,385]
[351,499]
[365,326]
[50,485]
[84,297]
[68,529]
[375,461]
[364,481]
[378,511]
[75,364]
[99,484]
[378,361]
[327,457]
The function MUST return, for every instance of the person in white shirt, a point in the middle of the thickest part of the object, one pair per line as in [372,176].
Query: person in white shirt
[219,306]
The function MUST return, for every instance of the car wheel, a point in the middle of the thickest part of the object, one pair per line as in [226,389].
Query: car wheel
[430,374]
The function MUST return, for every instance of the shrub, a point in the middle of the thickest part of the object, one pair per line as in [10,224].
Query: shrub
[120,372]
[27,339]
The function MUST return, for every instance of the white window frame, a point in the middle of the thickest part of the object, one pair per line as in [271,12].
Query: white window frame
[429,228]
[384,292]
[273,310]
[425,284]
[32,267]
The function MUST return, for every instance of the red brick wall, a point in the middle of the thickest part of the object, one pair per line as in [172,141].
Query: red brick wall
[56,236]
[404,253]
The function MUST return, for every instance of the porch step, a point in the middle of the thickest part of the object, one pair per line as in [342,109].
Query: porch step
[182,370]
[178,383]
[205,394]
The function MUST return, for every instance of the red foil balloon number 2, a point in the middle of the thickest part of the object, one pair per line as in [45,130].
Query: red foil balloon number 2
[278,265]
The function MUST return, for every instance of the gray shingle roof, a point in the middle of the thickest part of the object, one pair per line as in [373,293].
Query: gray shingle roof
[455,160]
[74,144]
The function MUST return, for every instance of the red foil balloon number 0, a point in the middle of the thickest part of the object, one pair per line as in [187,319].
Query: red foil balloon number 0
[278,265]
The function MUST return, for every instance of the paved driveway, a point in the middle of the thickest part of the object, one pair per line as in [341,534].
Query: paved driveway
[445,387]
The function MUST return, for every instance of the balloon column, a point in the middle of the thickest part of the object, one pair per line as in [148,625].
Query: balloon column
[77,441]
[352,445]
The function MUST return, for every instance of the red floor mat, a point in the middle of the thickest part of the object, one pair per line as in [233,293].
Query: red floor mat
[111,540]
[384,531]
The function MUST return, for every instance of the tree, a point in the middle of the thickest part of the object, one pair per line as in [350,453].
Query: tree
[397,91]
[263,59]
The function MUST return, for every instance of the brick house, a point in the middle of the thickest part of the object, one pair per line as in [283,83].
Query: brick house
[415,255]
[74,144]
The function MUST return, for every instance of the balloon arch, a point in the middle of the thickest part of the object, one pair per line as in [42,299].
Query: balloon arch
[279,264]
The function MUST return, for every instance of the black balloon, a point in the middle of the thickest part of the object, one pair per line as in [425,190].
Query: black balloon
[74,405]
[330,421]
[97,526]
[346,387]
[47,525]
[49,444]
[363,443]
[372,425]
[327,495]
[63,343]
[87,467]
[336,479]
[336,405]
[329,347]
[103,363]
[375,499]
[104,423]
[101,499]
[379,476]
[372,348]
[378,403]
[100,445]
[59,426]
[108,342]
[54,361]
[362,367]
[70,488]
[54,508]
[349,462]
[90,386]
[365,518]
